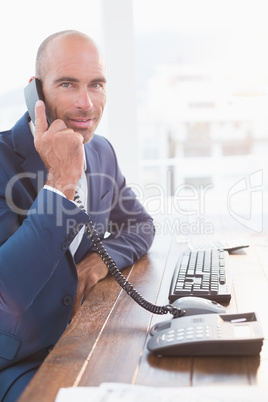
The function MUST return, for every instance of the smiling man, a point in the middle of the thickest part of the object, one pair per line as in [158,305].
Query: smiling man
[48,263]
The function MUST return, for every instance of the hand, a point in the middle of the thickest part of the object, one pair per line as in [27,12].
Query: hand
[90,271]
[61,150]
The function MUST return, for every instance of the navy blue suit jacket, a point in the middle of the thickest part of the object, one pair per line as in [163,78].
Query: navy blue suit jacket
[38,276]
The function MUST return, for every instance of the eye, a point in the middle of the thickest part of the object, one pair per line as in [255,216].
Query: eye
[96,85]
[66,84]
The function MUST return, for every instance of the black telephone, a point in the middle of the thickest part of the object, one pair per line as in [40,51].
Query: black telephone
[207,334]
[33,92]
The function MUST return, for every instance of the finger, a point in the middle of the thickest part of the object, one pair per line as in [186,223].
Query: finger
[59,125]
[40,118]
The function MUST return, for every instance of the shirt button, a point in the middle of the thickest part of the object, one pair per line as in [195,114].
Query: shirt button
[67,300]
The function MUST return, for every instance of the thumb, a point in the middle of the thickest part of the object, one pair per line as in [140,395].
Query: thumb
[41,124]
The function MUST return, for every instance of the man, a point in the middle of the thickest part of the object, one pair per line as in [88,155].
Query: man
[47,261]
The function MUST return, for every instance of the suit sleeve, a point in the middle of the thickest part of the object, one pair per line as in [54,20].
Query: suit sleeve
[30,252]
[131,228]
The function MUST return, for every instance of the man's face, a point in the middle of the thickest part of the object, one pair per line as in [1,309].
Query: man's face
[74,84]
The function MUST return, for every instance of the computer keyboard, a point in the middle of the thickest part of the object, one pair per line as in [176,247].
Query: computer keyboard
[202,273]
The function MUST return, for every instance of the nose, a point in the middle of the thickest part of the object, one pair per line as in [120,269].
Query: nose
[84,100]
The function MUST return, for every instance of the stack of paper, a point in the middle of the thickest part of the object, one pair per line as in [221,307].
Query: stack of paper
[116,392]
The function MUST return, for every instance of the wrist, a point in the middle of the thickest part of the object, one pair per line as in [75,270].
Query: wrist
[66,186]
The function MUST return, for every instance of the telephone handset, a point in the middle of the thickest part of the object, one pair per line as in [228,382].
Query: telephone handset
[33,92]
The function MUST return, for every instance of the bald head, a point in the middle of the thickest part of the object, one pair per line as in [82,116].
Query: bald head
[58,38]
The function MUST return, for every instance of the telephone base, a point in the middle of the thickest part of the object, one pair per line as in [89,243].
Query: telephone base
[209,335]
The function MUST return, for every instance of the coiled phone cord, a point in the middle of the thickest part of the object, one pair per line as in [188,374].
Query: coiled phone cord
[120,279]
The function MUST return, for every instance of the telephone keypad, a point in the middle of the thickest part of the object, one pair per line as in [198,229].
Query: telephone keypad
[190,333]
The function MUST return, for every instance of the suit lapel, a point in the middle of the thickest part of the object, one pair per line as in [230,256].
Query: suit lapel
[93,175]
[32,164]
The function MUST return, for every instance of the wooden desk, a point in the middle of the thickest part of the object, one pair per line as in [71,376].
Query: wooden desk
[106,342]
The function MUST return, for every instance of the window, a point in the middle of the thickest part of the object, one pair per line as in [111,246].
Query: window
[202,77]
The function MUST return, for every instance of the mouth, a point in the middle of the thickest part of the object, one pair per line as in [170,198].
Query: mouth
[81,123]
